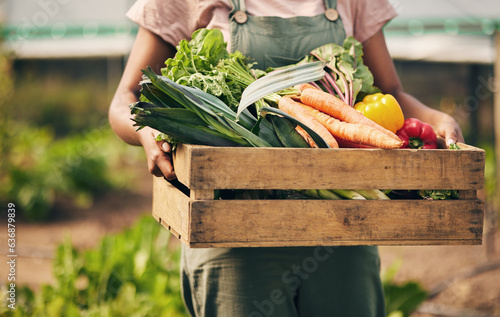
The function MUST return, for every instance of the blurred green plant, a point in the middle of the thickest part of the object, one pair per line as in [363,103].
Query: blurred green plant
[37,168]
[6,93]
[67,105]
[55,141]
[490,180]
[133,273]
[401,299]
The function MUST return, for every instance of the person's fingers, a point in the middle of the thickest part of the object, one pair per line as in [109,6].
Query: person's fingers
[160,164]
[452,135]
[166,146]
[449,129]
[164,164]
[158,157]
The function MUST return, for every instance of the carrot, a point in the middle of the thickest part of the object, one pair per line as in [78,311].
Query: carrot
[349,144]
[354,132]
[301,87]
[295,109]
[335,107]
[306,136]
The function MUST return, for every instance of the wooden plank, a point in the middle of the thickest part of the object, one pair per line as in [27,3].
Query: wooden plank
[202,194]
[286,168]
[467,194]
[466,147]
[171,206]
[312,243]
[299,222]
[166,225]
[182,158]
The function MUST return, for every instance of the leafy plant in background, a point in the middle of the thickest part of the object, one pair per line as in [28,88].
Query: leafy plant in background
[401,299]
[6,93]
[134,273]
[53,143]
[67,106]
[490,181]
[37,168]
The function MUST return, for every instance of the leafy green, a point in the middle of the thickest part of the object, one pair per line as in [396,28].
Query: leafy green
[401,299]
[38,169]
[133,273]
[195,63]
[286,132]
[349,79]
[204,120]
[281,79]
[438,194]
[316,138]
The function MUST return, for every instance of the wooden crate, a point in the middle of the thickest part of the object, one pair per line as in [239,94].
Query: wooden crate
[192,214]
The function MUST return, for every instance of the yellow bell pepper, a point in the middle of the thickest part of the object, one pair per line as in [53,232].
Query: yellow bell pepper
[383,109]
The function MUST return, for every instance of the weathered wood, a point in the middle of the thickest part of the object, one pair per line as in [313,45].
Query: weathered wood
[467,194]
[339,222]
[181,158]
[171,206]
[200,221]
[312,243]
[202,194]
[287,168]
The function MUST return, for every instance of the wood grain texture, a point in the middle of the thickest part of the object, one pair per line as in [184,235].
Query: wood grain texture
[202,194]
[467,194]
[340,222]
[313,243]
[204,167]
[171,207]
[200,221]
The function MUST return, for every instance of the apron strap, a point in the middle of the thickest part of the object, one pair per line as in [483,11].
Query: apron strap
[331,10]
[239,12]
[238,5]
[242,6]
[330,4]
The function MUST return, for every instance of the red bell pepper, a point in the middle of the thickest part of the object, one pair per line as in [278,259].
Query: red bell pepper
[416,134]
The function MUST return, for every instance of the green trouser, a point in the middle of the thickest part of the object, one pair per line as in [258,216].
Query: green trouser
[294,281]
[284,282]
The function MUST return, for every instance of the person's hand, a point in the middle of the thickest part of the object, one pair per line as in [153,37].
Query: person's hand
[158,154]
[447,128]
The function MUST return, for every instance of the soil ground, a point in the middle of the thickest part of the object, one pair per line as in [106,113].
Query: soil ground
[477,295]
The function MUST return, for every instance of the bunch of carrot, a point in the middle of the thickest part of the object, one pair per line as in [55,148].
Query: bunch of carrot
[337,123]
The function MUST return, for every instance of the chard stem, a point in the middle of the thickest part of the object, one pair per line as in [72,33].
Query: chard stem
[349,194]
[333,84]
[344,81]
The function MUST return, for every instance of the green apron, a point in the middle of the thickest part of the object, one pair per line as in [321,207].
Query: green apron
[273,41]
[293,281]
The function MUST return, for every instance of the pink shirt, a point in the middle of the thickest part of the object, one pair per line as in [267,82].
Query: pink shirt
[175,20]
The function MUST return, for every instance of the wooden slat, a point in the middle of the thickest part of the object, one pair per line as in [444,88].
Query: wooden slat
[171,206]
[319,222]
[312,243]
[202,194]
[286,168]
[182,158]
[467,194]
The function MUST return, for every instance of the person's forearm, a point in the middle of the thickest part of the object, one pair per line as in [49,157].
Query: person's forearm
[378,59]
[149,50]
[121,119]
[413,108]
